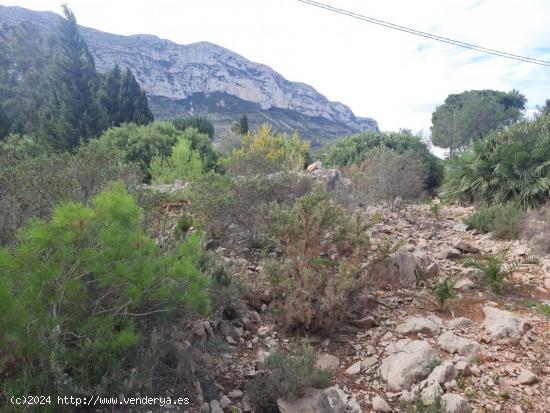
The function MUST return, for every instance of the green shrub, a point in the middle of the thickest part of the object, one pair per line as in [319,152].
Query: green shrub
[183,163]
[288,152]
[508,165]
[201,123]
[314,292]
[183,225]
[80,297]
[495,268]
[443,291]
[502,220]
[229,206]
[33,186]
[285,375]
[355,149]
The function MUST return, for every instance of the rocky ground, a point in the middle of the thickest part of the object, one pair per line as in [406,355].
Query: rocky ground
[482,353]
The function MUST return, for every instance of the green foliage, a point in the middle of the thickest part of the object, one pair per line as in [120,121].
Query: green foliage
[49,87]
[123,99]
[289,153]
[355,149]
[22,146]
[315,291]
[469,116]
[141,144]
[72,112]
[285,375]
[31,187]
[243,124]
[183,163]
[502,220]
[79,297]
[443,291]
[201,123]
[495,268]
[230,206]
[511,164]
[24,54]
[183,225]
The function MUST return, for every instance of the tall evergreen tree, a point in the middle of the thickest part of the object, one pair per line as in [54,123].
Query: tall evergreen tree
[243,124]
[109,95]
[4,123]
[133,106]
[73,111]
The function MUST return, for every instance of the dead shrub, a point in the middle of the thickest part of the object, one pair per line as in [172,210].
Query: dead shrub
[320,269]
[536,228]
[385,175]
[229,206]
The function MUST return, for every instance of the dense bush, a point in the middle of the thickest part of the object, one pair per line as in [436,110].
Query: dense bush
[229,206]
[386,174]
[355,149]
[511,164]
[502,220]
[200,123]
[289,153]
[79,295]
[31,187]
[320,268]
[183,163]
[285,375]
[141,144]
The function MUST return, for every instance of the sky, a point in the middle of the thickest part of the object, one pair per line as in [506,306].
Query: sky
[396,78]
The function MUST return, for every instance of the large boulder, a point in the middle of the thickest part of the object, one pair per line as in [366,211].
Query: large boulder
[419,325]
[411,362]
[398,269]
[331,178]
[454,403]
[455,344]
[503,324]
[329,400]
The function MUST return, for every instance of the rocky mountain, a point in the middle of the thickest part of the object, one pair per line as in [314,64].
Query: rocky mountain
[203,78]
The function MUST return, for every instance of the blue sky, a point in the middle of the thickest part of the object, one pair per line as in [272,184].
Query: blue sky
[396,78]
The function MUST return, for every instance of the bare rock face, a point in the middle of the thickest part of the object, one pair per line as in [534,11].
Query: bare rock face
[503,324]
[329,400]
[410,363]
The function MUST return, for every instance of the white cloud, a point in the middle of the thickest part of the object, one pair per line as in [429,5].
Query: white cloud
[393,77]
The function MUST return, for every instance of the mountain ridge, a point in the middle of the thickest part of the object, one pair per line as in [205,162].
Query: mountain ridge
[176,75]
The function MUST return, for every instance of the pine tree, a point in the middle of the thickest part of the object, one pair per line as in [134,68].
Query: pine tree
[132,100]
[73,111]
[109,95]
[243,124]
[4,123]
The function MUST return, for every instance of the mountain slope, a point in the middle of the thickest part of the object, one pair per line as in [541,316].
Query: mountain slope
[203,78]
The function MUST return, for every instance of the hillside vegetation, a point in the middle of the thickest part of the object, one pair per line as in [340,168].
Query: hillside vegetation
[138,258]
